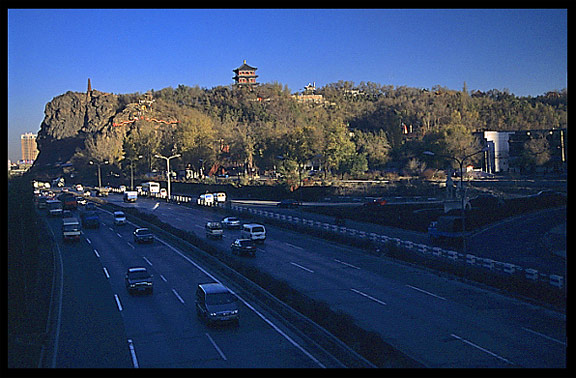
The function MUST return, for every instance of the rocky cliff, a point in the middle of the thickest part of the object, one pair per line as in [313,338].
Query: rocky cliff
[69,119]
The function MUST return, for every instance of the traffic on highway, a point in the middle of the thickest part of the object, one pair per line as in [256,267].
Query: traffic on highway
[433,319]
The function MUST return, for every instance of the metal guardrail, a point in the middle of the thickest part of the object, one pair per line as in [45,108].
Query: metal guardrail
[506,269]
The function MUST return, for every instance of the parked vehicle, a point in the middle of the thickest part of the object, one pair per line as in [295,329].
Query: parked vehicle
[231,223]
[216,304]
[143,235]
[214,230]
[150,188]
[130,196]
[243,247]
[138,280]
[90,219]
[71,229]
[219,198]
[206,199]
[119,218]
[253,231]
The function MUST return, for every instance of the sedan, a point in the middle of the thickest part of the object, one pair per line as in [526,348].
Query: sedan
[243,247]
[231,222]
[143,235]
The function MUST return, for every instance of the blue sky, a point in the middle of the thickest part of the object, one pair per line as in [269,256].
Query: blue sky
[54,51]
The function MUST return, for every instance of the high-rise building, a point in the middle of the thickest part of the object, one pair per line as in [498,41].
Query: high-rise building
[29,148]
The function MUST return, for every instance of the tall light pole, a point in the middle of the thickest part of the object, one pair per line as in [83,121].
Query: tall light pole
[99,174]
[167,168]
[462,196]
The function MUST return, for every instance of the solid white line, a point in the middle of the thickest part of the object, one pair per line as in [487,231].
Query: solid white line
[345,263]
[148,261]
[301,267]
[178,296]
[544,336]
[368,296]
[294,246]
[217,348]
[133,353]
[118,302]
[269,322]
[96,253]
[426,292]
[106,272]
[482,349]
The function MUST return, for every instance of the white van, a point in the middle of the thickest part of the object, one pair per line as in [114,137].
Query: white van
[253,231]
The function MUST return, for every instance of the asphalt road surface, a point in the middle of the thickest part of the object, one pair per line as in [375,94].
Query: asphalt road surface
[439,321]
[102,326]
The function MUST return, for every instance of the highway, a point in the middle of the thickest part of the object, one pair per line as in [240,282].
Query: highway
[100,325]
[437,320]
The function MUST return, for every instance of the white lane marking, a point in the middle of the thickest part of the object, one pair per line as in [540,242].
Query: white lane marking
[302,267]
[96,253]
[148,261]
[217,348]
[178,296]
[106,272]
[545,336]
[369,297]
[294,246]
[345,263]
[118,302]
[88,240]
[156,206]
[133,353]
[482,349]
[119,235]
[130,244]
[426,292]
[269,322]
[163,278]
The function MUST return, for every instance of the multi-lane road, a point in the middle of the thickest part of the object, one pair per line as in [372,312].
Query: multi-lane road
[436,320]
[98,324]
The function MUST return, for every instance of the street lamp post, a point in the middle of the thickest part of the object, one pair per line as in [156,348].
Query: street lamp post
[99,174]
[167,168]
[462,196]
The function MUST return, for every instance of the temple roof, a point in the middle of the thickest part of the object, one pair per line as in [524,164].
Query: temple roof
[245,67]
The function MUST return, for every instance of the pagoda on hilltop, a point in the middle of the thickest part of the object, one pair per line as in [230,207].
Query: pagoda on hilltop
[245,75]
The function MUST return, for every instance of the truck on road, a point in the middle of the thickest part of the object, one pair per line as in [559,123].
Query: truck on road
[130,196]
[71,229]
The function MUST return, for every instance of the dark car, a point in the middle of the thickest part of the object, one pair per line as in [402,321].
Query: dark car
[138,280]
[377,202]
[90,219]
[288,203]
[243,247]
[215,303]
[143,235]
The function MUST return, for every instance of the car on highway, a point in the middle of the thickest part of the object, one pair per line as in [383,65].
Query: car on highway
[216,304]
[288,203]
[119,218]
[231,223]
[253,231]
[139,280]
[90,219]
[376,202]
[243,247]
[214,230]
[81,201]
[143,235]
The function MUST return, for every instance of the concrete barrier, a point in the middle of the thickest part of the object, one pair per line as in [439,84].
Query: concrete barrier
[556,280]
[532,274]
[470,259]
